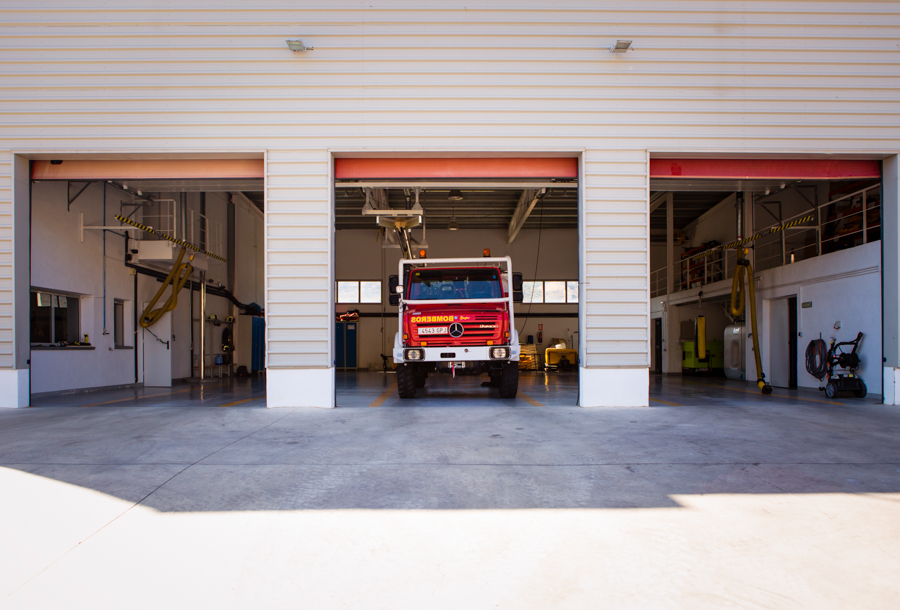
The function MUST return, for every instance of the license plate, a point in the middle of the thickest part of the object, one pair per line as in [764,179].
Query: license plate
[433,330]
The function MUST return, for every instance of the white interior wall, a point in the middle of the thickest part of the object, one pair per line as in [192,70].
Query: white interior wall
[843,286]
[716,318]
[717,224]
[249,273]
[658,256]
[62,262]
[359,257]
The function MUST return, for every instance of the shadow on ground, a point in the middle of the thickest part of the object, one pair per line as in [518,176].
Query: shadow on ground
[487,457]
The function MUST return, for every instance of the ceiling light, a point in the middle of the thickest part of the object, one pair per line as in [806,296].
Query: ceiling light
[621,46]
[297,46]
[455,195]
[453,225]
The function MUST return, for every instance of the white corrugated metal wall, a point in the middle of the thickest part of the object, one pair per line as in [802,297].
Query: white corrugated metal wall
[214,75]
[7,328]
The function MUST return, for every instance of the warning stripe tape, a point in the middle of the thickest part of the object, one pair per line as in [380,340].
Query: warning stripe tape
[740,242]
[180,242]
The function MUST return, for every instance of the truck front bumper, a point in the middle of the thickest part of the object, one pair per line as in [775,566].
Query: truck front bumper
[471,353]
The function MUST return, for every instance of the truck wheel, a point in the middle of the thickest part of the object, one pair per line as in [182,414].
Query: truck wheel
[509,380]
[862,391]
[406,381]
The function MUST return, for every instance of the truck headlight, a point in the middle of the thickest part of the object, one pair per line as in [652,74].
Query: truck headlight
[413,354]
[499,353]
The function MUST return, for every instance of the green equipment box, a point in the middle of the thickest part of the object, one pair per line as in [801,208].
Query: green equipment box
[713,363]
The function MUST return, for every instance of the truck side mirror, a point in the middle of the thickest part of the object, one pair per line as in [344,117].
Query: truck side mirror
[518,296]
[393,295]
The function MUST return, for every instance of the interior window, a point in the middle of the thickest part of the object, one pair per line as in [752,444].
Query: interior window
[40,318]
[370,292]
[554,292]
[348,292]
[532,292]
[54,318]
[119,323]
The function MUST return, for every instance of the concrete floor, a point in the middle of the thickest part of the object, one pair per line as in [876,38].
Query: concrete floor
[727,499]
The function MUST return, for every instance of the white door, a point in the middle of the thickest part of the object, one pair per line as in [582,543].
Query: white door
[158,355]
[779,344]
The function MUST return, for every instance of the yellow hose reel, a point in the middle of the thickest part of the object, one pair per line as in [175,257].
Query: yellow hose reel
[181,271]
[743,268]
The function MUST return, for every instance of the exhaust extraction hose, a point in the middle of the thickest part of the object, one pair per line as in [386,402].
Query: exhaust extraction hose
[742,268]
[181,271]
[700,332]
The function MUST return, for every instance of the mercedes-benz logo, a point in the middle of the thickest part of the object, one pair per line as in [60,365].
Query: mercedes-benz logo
[456,330]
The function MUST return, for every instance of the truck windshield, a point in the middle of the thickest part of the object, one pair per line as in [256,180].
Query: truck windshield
[440,284]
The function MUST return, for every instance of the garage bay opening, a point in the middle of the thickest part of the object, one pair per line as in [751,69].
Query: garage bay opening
[147,281]
[456,292]
[809,230]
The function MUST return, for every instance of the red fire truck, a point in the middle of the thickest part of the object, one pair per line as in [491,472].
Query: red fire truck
[456,317]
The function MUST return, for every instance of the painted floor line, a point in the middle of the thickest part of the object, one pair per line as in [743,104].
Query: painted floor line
[109,402]
[384,396]
[666,402]
[529,400]
[720,387]
[240,402]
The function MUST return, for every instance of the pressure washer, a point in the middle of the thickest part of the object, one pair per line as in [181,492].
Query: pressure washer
[821,363]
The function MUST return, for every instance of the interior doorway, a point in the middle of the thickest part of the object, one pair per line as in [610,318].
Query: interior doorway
[783,342]
[657,345]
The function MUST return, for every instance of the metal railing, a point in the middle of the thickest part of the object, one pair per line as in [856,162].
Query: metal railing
[201,230]
[712,266]
[845,222]
[190,225]
[658,282]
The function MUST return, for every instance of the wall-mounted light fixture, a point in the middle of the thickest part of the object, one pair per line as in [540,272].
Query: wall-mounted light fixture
[621,46]
[297,46]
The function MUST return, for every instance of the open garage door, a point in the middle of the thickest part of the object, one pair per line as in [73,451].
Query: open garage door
[811,228]
[112,241]
[523,208]
[147,169]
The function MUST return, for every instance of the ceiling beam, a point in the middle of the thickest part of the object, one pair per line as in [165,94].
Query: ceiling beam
[657,200]
[527,201]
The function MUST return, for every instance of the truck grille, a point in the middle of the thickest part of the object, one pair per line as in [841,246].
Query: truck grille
[477,330]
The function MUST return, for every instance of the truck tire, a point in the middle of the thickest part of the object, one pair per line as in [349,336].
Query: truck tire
[509,380]
[406,381]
